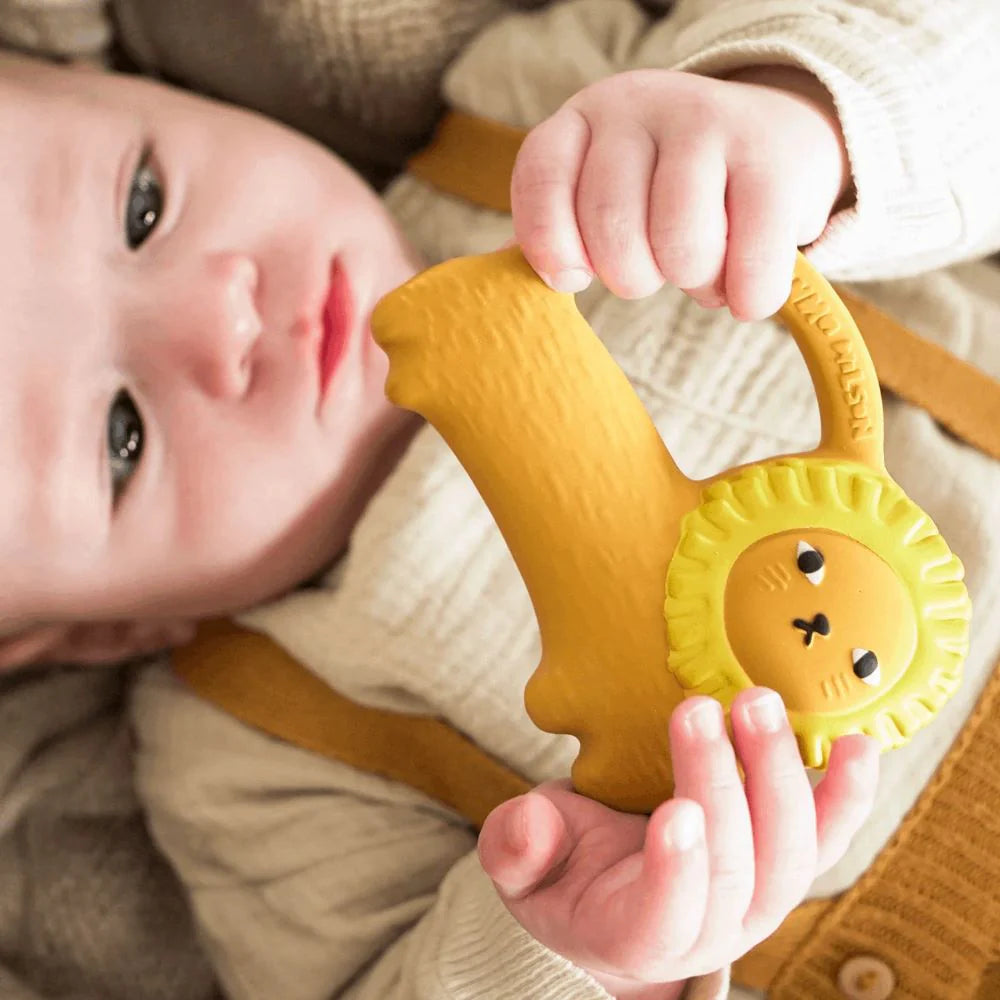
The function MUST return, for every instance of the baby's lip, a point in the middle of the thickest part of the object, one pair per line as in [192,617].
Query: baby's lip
[336,323]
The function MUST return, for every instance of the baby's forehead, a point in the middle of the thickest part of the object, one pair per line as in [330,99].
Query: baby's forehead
[22,78]
[22,81]
[36,580]
[20,97]
[36,96]
[42,544]
[34,112]
[17,595]
[21,556]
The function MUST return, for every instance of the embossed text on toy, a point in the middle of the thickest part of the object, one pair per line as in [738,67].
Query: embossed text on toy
[815,310]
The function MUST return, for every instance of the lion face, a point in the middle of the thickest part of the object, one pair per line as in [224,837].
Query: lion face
[823,580]
[819,617]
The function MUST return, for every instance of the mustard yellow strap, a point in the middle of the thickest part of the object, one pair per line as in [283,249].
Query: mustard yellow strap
[254,679]
[961,397]
[472,158]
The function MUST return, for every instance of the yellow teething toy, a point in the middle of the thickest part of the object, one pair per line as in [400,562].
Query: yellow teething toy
[813,574]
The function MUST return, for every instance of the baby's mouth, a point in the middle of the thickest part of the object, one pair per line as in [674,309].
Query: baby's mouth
[336,322]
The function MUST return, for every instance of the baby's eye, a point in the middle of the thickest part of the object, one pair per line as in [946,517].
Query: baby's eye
[125,440]
[144,206]
[811,563]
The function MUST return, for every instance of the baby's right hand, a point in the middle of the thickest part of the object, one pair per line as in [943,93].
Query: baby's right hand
[653,176]
[645,904]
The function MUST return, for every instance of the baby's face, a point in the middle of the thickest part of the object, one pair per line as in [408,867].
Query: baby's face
[189,393]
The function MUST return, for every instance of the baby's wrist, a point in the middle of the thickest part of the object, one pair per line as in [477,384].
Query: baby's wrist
[805,85]
[792,79]
[627,989]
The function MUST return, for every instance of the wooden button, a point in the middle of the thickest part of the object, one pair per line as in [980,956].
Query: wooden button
[866,977]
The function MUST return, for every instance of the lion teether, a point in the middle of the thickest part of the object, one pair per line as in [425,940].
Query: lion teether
[813,574]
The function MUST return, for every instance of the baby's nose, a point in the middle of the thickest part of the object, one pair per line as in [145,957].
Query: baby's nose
[223,324]
[241,290]
[232,324]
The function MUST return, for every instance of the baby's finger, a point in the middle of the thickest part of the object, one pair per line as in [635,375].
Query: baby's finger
[705,770]
[612,205]
[781,808]
[655,899]
[687,217]
[22,649]
[710,296]
[521,843]
[845,796]
[760,255]
[543,200]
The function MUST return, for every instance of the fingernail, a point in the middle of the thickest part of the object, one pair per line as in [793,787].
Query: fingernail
[765,713]
[570,281]
[516,830]
[860,768]
[704,720]
[709,301]
[686,828]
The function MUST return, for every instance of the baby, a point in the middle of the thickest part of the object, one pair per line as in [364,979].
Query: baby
[190,288]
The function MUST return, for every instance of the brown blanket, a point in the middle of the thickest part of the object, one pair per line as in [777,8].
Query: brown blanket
[88,910]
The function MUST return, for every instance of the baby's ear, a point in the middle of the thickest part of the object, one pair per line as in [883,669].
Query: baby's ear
[92,643]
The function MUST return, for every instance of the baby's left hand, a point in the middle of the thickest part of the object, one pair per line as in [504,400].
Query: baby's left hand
[647,903]
[656,176]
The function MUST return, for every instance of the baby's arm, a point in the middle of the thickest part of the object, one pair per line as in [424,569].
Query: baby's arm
[311,880]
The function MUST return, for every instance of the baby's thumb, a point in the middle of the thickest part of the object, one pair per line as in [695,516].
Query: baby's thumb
[523,845]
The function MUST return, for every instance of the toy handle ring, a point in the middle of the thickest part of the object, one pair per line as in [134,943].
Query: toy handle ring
[841,368]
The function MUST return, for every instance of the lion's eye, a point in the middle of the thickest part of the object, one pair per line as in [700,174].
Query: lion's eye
[866,666]
[811,563]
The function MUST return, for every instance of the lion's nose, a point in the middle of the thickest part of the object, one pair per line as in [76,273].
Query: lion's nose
[819,625]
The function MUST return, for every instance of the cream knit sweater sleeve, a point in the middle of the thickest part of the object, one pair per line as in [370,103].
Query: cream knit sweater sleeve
[916,85]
